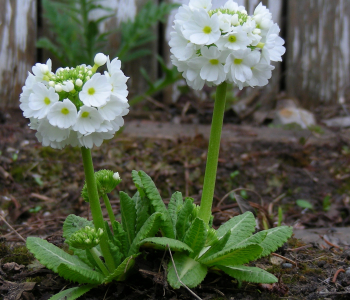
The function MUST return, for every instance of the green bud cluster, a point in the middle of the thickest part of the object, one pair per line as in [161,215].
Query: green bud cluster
[85,238]
[106,181]
[242,17]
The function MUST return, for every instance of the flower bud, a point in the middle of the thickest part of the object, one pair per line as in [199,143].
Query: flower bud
[58,88]
[51,83]
[78,82]
[116,176]
[85,238]
[100,59]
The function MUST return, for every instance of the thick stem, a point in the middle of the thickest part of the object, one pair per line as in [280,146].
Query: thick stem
[213,153]
[109,208]
[99,262]
[95,206]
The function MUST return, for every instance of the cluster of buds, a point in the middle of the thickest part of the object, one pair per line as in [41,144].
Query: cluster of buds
[75,106]
[85,238]
[106,182]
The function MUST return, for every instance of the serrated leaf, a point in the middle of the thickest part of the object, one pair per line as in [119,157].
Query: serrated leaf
[174,206]
[51,256]
[119,238]
[73,293]
[190,271]
[216,246]
[137,181]
[183,218]
[241,227]
[128,214]
[160,243]
[234,256]
[196,236]
[74,223]
[80,274]
[120,272]
[157,204]
[149,229]
[142,210]
[275,238]
[250,274]
[254,239]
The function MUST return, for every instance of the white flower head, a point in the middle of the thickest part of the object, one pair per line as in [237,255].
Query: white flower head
[41,100]
[96,91]
[236,39]
[88,120]
[63,114]
[202,29]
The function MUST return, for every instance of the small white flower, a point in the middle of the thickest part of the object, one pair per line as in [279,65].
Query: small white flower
[197,4]
[263,18]
[262,72]
[202,29]
[100,59]
[239,63]
[253,33]
[113,108]
[233,6]
[42,71]
[89,120]
[183,15]
[63,114]
[116,176]
[118,85]
[68,86]
[41,100]
[235,40]
[52,133]
[96,91]
[180,47]
[273,48]
[113,66]
[210,64]
[94,138]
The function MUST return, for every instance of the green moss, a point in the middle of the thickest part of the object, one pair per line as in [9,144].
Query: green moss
[19,255]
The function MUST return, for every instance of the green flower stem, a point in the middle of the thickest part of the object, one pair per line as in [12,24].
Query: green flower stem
[109,208]
[95,206]
[101,265]
[213,153]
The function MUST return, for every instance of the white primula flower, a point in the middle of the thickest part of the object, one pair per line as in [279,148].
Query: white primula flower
[113,66]
[273,48]
[239,63]
[210,64]
[42,71]
[96,91]
[225,22]
[118,85]
[202,29]
[41,100]
[233,6]
[263,18]
[262,72]
[114,107]
[89,120]
[235,40]
[197,4]
[94,138]
[253,33]
[67,86]
[63,114]
[52,133]
[182,48]
[183,15]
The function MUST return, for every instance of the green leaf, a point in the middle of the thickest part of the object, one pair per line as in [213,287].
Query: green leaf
[216,246]
[137,181]
[157,204]
[196,236]
[73,293]
[183,218]
[128,213]
[74,223]
[52,257]
[234,256]
[304,204]
[275,238]
[254,239]
[120,272]
[149,229]
[142,210]
[119,238]
[174,206]
[241,227]
[160,243]
[80,274]
[190,272]
[250,274]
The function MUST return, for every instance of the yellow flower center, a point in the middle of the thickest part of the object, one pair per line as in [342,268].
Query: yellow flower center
[85,114]
[214,61]
[207,29]
[47,101]
[91,91]
[238,61]
[232,39]
[65,111]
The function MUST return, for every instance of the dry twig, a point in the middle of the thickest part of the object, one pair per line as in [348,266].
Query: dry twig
[14,230]
[285,258]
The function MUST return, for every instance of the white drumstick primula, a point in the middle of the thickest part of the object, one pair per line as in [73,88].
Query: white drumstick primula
[249,43]
[75,106]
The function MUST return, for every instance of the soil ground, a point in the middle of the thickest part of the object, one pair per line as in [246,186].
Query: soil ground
[273,167]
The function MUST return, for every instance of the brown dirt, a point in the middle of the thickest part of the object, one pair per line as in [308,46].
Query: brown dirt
[41,186]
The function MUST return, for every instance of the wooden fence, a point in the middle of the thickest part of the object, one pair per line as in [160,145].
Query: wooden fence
[316,67]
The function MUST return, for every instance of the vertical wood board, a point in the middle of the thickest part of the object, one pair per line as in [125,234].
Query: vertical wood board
[318,68]
[17,47]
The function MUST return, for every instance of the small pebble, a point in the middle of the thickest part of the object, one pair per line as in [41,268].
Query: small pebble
[321,264]
[287,266]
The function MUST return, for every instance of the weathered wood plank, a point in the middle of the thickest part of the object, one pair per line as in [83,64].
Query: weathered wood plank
[17,47]
[318,50]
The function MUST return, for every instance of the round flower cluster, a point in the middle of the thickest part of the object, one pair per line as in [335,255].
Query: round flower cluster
[85,238]
[224,44]
[75,106]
